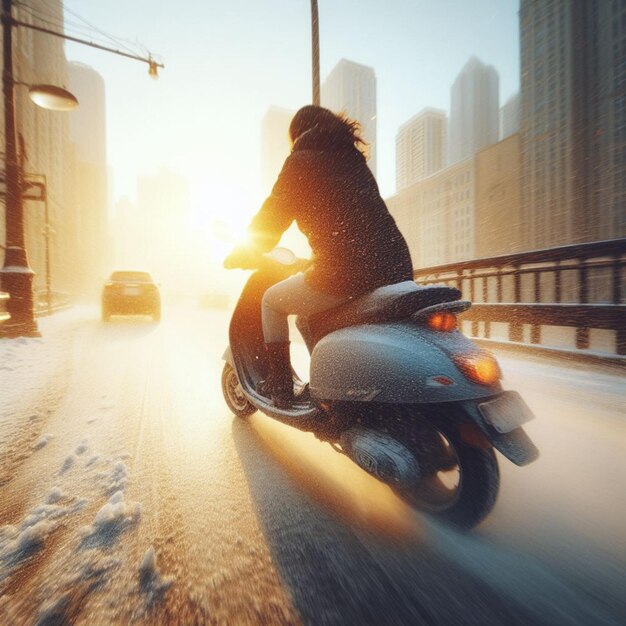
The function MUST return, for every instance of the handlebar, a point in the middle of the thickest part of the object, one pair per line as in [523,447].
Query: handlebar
[249,259]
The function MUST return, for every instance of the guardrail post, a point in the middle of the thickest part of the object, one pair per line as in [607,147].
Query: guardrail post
[620,333]
[582,333]
[472,293]
[487,323]
[516,330]
[535,329]
[617,281]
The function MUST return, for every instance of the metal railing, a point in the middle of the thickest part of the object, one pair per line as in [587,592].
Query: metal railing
[47,302]
[581,287]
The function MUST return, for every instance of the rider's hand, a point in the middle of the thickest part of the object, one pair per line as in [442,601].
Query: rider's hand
[242,257]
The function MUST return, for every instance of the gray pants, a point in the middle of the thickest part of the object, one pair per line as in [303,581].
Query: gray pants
[292,297]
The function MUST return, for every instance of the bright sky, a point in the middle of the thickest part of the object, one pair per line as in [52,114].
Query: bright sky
[227,61]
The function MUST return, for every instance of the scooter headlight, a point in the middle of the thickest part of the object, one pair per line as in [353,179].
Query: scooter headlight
[442,321]
[480,367]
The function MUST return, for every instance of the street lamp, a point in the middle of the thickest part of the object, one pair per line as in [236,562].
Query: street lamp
[52,98]
[16,276]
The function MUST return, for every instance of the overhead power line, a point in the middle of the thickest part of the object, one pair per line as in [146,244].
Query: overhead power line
[149,60]
[48,19]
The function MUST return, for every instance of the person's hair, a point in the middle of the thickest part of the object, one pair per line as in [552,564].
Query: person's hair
[312,116]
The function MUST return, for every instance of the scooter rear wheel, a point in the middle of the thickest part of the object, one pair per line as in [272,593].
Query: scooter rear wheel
[461,486]
[233,395]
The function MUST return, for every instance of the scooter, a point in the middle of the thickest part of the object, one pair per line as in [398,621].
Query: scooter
[395,386]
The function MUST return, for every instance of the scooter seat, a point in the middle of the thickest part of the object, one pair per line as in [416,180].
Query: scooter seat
[385,304]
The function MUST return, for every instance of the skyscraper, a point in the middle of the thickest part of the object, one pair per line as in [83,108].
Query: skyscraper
[573,120]
[509,117]
[420,147]
[351,88]
[474,110]
[88,134]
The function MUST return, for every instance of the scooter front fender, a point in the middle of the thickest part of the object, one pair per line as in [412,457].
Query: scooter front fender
[395,363]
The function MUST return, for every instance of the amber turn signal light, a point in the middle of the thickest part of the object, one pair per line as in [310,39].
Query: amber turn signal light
[443,321]
[480,367]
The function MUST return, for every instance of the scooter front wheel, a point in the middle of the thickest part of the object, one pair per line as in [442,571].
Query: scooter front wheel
[233,394]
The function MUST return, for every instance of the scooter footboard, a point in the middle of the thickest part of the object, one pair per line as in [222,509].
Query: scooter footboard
[504,432]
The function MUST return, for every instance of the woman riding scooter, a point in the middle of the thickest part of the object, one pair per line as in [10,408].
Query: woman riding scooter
[325,186]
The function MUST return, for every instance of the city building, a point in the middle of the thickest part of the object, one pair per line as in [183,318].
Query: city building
[88,134]
[573,121]
[474,110]
[350,88]
[45,146]
[436,215]
[468,210]
[275,146]
[509,117]
[420,147]
[497,204]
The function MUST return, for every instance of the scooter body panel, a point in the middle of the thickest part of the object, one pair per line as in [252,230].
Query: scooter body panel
[396,363]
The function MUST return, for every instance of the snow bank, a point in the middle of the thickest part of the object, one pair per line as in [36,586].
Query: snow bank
[54,611]
[58,609]
[43,441]
[32,536]
[116,510]
[97,569]
[92,460]
[116,480]
[54,496]
[68,463]
[151,581]
[114,517]
[81,447]
[20,541]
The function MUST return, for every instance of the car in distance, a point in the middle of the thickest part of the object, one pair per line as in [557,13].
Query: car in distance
[131,293]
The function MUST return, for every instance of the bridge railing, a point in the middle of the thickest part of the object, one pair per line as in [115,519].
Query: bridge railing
[535,298]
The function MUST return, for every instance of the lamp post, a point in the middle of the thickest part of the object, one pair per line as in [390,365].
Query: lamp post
[315,51]
[16,275]
[38,191]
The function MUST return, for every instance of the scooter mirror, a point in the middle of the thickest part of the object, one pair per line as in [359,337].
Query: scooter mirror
[284,256]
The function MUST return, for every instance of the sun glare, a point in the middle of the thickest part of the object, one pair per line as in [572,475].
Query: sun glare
[221,211]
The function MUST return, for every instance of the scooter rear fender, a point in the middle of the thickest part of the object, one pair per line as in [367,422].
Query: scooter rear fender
[515,444]
[396,363]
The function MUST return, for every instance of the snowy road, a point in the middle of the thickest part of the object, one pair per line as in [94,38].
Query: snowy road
[130,495]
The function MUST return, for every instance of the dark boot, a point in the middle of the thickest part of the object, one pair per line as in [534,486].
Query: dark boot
[279,383]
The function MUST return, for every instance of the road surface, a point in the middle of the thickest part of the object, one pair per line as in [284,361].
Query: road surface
[130,495]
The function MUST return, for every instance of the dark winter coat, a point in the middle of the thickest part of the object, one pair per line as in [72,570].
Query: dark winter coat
[327,188]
